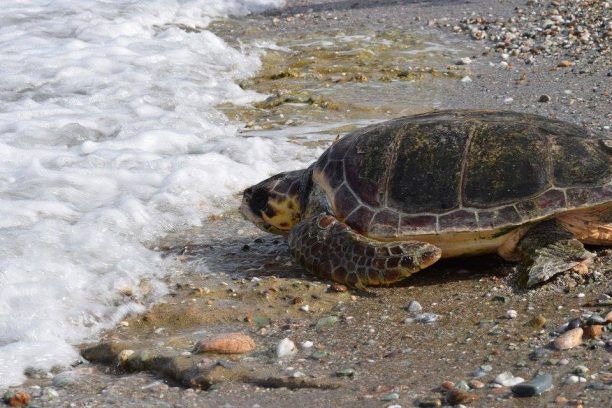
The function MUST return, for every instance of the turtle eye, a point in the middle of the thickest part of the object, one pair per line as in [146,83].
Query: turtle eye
[259,201]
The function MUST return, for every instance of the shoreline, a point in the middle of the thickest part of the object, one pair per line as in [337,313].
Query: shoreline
[374,356]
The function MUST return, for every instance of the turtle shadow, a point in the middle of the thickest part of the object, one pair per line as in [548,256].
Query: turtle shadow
[459,269]
[261,256]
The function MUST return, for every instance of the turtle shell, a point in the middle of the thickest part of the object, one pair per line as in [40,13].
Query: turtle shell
[462,170]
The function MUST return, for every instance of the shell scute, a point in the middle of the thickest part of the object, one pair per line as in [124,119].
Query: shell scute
[505,168]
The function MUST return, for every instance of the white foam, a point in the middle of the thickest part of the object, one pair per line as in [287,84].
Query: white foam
[109,138]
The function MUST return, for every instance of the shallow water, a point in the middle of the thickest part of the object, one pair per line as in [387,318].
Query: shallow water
[109,139]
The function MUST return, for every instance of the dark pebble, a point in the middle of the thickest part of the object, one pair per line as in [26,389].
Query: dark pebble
[538,385]
[537,354]
[595,319]
[573,324]
[544,98]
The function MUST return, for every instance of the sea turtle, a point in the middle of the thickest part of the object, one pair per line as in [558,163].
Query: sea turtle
[392,198]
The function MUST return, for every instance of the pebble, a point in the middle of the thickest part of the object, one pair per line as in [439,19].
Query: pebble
[456,397]
[305,308]
[390,397]
[426,318]
[338,287]
[476,384]
[430,403]
[414,307]
[124,356]
[593,332]
[536,386]
[447,385]
[511,314]
[50,393]
[346,372]
[507,379]
[595,319]
[572,379]
[544,98]
[466,79]
[306,344]
[64,379]
[581,369]
[227,343]
[462,385]
[609,317]
[325,323]
[572,324]
[569,339]
[286,349]
[464,61]
[565,64]
[537,323]
[17,399]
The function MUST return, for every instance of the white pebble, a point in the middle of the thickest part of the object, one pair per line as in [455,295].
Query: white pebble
[508,100]
[580,295]
[285,348]
[466,79]
[305,308]
[511,314]
[572,379]
[306,344]
[507,379]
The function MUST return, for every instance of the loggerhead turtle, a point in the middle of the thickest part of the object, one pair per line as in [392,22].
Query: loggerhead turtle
[390,199]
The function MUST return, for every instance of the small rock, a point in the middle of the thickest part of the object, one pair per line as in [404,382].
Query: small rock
[305,308]
[462,385]
[17,399]
[456,397]
[390,397]
[572,324]
[306,344]
[544,98]
[447,385]
[565,64]
[430,403]
[466,79]
[581,369]
[595,319]
[569,339]
[464,61]
[609,317]
[63,379]
[338,287]
[593,332]
[426,318]
[228,343]
[537,323]
[511,314]
[346,372]
[286,349]
[50,393]
[476,384]
[414,307]
[536,386]
[124,356]
[572,379]
[326,323]
[507,379]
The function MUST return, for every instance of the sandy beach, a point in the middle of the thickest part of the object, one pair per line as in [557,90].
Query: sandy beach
[456,334]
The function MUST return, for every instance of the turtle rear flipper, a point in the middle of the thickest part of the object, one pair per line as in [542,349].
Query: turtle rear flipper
[332,250]
[547,250]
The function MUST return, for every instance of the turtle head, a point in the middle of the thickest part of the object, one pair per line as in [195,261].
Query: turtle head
[274,204]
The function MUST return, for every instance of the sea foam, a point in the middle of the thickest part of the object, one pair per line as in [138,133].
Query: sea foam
[108,139]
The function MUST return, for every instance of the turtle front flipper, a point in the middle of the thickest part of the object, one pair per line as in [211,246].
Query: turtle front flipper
[332,250]
[548,249]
